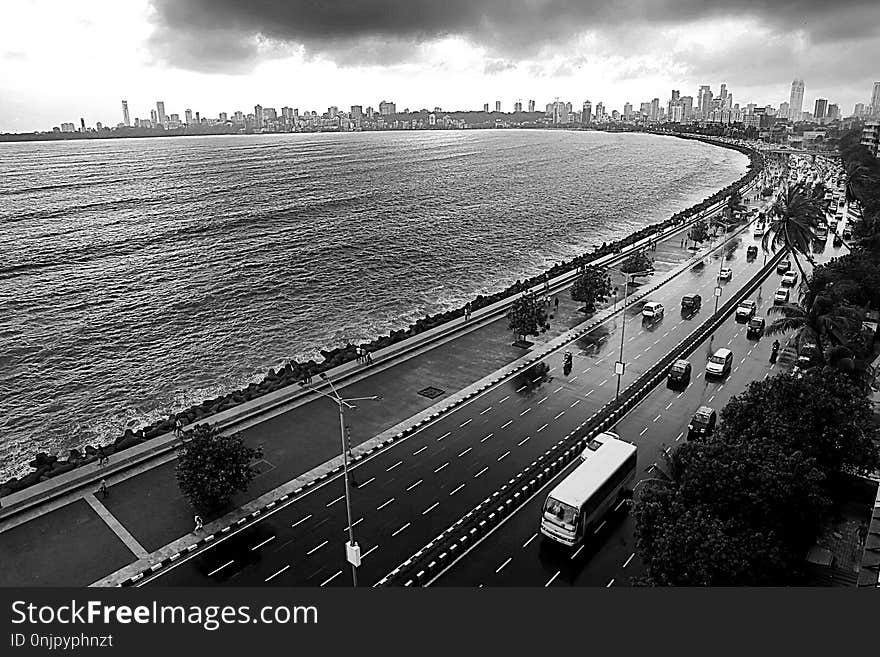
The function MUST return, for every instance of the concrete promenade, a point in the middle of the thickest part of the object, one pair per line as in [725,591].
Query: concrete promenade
[62,533]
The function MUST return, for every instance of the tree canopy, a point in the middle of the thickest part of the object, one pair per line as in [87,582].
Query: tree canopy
[591,286]
[527,315]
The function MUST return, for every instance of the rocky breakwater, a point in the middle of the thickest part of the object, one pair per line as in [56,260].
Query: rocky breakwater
[47,466]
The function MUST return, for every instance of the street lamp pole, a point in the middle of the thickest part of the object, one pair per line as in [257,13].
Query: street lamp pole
[352,549]
[619,367]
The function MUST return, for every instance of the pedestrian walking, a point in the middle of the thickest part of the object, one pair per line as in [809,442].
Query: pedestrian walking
[103,489]
[102,457]
[467,311]
[178,428]
[555,303]
[199,523]
[360,354]
[863,533]
[368,357]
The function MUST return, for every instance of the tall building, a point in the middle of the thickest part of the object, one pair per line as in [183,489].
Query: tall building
[687,108]
[833,112]
[125,118]
[821,108]
[627,111]
[704,101]
[517,106]
[357,113]
[783,111]
[875,100]
[497,105]
[387,108]
[870,136]
[154,117]
[160,112]
[587,113]
[859,110]
[188,116]
[486,107]
[258,117]
[796,101]
[531,106]
[655,110]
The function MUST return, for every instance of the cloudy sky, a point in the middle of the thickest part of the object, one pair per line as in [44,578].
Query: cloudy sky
[65,59]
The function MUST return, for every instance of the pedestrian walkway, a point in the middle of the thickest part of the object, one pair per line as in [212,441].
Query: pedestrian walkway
[299,437]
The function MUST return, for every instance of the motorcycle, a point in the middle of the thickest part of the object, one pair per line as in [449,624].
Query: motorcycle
[567,362]
[775,352]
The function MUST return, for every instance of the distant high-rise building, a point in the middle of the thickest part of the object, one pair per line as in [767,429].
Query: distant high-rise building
[687,108]
[627,111]
[68,127]
[587,113]
[796,101]
[333,111]
[875,100]
[859,110]
[198,118]
[82,124]
[387,108]
[160,112]
[517,106]
[188,116]
[655,110]
[531,106]
[821,108]
[783,111]
[238,117]
[153,117]
[870,136]
[258,117]
[357,113]
[600,112]
[486,107]
[497,105]
[833,112]
[126,121]
[223,117]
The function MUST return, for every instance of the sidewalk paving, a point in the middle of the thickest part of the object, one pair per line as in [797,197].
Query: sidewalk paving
[302,436]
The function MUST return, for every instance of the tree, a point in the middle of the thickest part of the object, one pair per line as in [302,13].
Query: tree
[593,285]
[527,316]
[638,263]
[734,206]
[699,232]
[830,320]
[212,467]
[822,413]
[793,225]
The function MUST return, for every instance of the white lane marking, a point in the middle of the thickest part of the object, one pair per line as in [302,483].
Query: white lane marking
[610,584]
[393,466]
[488,435]
[430,508]
[543,400]
[534,536]
[721,387]
[379,508]
[657,418]
[504,400]
[599,528]
[445,435]
[577,552]
[586,370]
[501,567]
[274,575]
[559,415]
[711,398]
[589,393]
[317,547]
[301,520]
[678,396]
[679,436]
[419,451]
[557,389]
[603,383]
[354,524]
[520,389]
[329,504]
[524,412]
[542,428]
[441,467]
[668,405]
[481,472]
[576,402]
[643,431]
[457,489]
[395,533]
[465,452]
[657,341]
[466,422]
[217,570]
[637,356]
[364,555]
[523,441]
[370,480]
[331,578]
[259,545]
[665,334]
[550,581]
[486,411]
[414,485]
[535,380]
[503,455]
[507,424]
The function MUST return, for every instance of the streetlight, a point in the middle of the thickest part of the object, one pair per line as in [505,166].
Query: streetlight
[352,549]
[620,366]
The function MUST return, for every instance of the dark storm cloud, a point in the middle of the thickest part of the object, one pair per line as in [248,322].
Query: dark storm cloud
[211,34]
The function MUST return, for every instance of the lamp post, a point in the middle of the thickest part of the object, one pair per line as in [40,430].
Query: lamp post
[620,366]
[352,549]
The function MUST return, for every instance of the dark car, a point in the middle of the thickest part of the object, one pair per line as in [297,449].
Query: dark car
[752,251]
[691,302]
[756,327]
[679,373]
[703,423]
[783,266]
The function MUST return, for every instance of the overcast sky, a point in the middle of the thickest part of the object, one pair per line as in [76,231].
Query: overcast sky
[65,59]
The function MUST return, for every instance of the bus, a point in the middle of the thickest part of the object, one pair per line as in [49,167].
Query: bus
[603,479]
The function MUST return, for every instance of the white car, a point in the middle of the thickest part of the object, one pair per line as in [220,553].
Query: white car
[781,295]
[652,310]
[725,274]
[790,279]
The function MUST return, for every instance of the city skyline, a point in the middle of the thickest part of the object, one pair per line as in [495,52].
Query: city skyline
[153,49]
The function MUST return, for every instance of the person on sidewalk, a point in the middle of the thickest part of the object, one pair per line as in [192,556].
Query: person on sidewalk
[102,457]
[368,357]
[359,353]
[103,489]
[863,533]
[199,523]
[467,311]
[555,304]
[178,428]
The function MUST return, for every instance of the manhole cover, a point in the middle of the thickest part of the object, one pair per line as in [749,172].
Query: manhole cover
[431,392]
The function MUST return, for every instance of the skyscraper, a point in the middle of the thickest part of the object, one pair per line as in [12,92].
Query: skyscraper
[796,100]
[859,110]
[387,108]
[258,117]
[627,111]
[497,105]
[125,119]
[188,116]
[587,113]
[875,100]
[154,117]
[517,106]
[833,112]
[531,106]
[821,108]
[486,107]
[783,111]
[704,101]
[160,112]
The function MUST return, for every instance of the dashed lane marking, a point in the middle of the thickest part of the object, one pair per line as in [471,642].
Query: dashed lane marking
[466,422]
[501,567]
[301,520]
[259,545]
[317,547]
[457,489]
[524,412]
[507,424]
[481,472]
[465,452]
[657,418]
[533,537]
[559,415]
[504,400]
[668,405]
[276,574]
[368,481]
[523,441]
[354,524]
[609,584]
[395,533]
[577,552]
[557,389]
[542,428]
[543,400]
[576,402]
[441,467]
[486,411]
[414,485]
[445,435]
[384,504]
[521,388]
[489,435]
[503,455]
[643,431]
[217,570]
[372,549]
[430,508]
[331,578]
[679,436]
[329,504]
[550,581]
[419,451]
[393,466]
[589,393]
[626,563]
[603,383]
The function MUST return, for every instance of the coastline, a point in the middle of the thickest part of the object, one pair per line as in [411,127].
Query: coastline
[46,466]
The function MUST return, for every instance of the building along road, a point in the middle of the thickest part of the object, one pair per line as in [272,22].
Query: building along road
[416,488]
[515,553]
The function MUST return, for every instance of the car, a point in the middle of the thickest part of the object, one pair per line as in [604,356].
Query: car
[752,251]
[758,230]
[691,302]
[702,423]
[652,310]
[781,296]
[847,233]
[679,373]
[725,274]
[756,327]
[746,310]
[720,363]
[783,266]
[790,279]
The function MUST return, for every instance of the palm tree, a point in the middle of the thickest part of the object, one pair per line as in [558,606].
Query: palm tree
[859,177]
[792,224]
[826,318]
